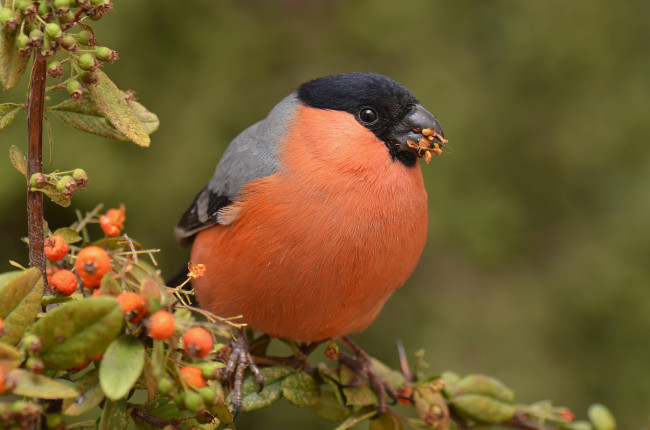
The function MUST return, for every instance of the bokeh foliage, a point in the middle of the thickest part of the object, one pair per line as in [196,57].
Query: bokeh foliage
[536,270]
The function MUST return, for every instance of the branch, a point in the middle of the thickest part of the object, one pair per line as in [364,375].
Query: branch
[35,163]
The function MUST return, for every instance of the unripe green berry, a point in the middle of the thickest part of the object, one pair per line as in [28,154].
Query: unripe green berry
[6,14]
[35,365]
[66,18]
[66,185]
[61,6]
[53,421]
[53,31]
[86,61]
[22,41]
[44,9]
[69,42]
[36,38]
[84,37]
[23,5]
[80,177]
[207,395]
[105,54]
[193,401]
[54,69]
[165,386]
[32,343]
[38,180]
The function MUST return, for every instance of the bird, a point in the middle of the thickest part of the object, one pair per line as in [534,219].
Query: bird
[316,214]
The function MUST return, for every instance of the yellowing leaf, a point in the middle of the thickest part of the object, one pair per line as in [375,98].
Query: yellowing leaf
[39,386]
[21,301]
[12,63]
[112,103]
[90,395]
[85,115]
[18,159]
[300,389]
[8,112]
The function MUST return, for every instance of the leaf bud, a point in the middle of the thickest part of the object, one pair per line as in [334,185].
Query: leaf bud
[106,54]
[38,180]
[53,31]
[87,62]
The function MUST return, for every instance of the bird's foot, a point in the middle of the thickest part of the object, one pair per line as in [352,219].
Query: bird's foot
[361,363]
[240,359]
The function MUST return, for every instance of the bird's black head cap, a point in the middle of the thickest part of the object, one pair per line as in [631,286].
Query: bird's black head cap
[376,101]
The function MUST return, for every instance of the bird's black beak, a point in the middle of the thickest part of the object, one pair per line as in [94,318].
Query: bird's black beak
[419,133]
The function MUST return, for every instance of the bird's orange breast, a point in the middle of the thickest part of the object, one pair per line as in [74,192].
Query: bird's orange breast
[316,248]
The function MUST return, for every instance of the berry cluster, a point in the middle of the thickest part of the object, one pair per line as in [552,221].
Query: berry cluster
[47,27]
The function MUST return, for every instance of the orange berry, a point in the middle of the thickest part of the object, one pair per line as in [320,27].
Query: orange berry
[193,376]
[96,293]
[64,281]
[197,342]
[2,324]
[2,380]
[113,222]
[55,248]
[162,325]
[132,306]
[92,264]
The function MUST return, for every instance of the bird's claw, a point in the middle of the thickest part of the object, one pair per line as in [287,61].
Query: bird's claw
[361,363]
[240,359]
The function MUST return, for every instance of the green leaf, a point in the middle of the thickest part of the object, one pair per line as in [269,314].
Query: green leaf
[91,395]
[12,63]
[330,406]
[77,331]
[360,395]
[358,417]
[85,115]
[394,378]
[32,385]
[70,235]
[486,385]
[254,401]
[10,357]
[21,301]
[112,103]
[386,422]
[121,366]
[8,112]
[114,416]
[601,417]
[482,408]
[220,409]
[300,389]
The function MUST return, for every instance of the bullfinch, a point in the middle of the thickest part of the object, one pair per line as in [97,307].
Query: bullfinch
[318,212]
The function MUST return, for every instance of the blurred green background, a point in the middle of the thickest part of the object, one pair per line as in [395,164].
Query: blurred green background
[537,269]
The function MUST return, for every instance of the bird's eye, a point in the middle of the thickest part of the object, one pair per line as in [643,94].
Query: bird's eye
[368,115]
